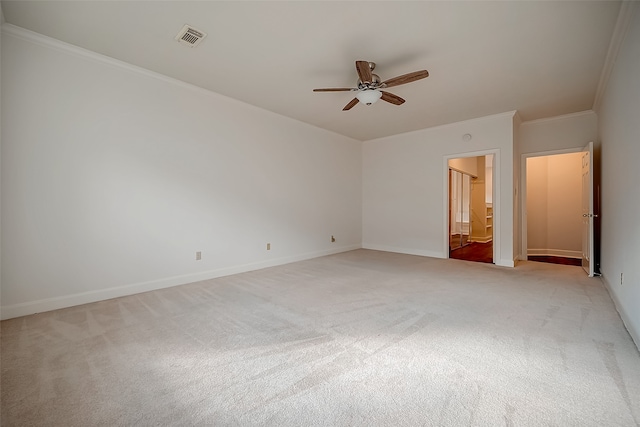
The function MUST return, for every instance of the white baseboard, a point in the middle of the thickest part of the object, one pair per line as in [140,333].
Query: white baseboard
[481,239]
[554,252]
[635,334]
[407,251]
[48,304]
[505,262]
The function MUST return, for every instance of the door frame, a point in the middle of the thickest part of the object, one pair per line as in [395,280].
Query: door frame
[523,192]
[495,186]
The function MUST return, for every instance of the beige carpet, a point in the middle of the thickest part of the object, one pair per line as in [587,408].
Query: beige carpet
[362,338]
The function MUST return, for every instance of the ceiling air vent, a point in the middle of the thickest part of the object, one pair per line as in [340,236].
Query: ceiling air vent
[190,36]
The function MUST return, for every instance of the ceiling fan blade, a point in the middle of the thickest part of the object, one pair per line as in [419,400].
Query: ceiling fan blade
[364,72]
[335,89]
[350,105]
[406,78]
[394,99]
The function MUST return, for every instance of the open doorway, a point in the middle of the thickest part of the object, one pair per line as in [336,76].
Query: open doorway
[554,208]
[471,208]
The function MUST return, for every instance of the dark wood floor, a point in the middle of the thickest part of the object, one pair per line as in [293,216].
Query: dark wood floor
[555,260]
[474,251]
[483,252]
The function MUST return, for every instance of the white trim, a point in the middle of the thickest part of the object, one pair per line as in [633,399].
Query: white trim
[558,118]
[33,307]
[395,249]
[555,252]
[481,239]
[523,191]
[42,40]
[635,334]
[496,201]
[512,113]
[619,33]
[506,262]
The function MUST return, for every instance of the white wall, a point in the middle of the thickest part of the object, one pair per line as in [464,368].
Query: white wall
[619,127]
[558,133]
[113,177]
[554,205]
[537,186]
[405,191]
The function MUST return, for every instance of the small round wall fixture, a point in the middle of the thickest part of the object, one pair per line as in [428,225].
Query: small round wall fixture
[466,137]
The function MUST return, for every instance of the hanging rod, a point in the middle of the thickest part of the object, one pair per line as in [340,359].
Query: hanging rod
[463,172]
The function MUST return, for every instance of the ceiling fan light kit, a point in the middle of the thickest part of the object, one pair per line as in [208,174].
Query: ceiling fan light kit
[369,96]
[369,85]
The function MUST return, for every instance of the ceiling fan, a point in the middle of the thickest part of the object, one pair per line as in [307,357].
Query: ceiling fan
[369,85]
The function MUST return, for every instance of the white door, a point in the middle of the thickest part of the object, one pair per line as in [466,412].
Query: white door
[587,210]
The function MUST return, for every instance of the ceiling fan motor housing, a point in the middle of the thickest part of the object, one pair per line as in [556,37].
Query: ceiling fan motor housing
[375,83]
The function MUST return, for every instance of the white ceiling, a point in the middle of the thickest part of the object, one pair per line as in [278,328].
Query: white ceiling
[542,58]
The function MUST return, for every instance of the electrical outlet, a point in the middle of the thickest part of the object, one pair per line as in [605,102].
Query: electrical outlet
[198,256]
[268,246]
[333,239]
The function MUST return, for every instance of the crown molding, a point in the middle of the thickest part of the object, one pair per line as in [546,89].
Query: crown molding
[513,114]
[622,25]
[557,118]
[61,46]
